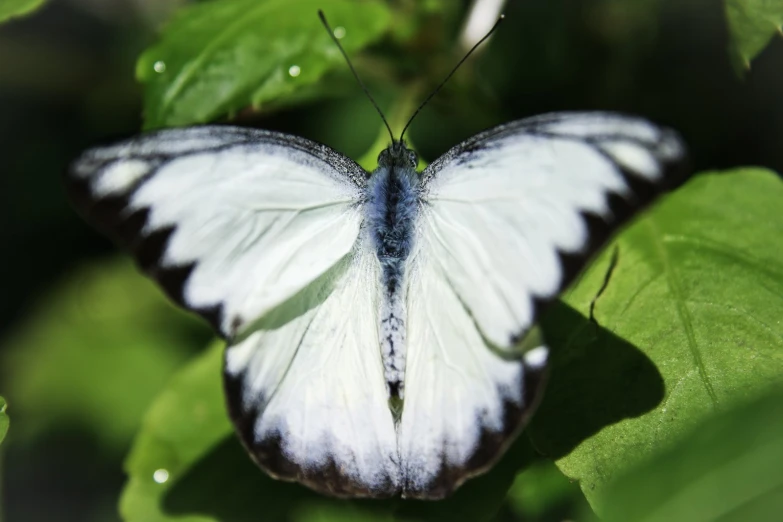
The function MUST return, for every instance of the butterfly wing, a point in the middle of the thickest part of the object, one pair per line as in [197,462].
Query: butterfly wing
[231,221]
[507,220]
[306,389]
[260,233]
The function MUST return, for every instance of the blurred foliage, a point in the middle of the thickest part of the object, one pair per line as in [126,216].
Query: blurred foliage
[752,23]
[96,351]
[12,8]
[80,368]
[727,468]
[698,288]
[215,58]
[3,419]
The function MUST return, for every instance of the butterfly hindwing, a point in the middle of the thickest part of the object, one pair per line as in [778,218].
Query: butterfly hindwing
[464,403]
[231,221]
[306,389]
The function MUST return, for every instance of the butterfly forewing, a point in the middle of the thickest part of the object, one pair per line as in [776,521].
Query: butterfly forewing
[231,221]
[512,214]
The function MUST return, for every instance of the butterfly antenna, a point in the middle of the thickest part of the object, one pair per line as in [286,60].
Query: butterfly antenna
[438,88]
[331,33]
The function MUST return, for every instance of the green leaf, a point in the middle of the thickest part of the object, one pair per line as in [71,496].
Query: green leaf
[13,8]
[752,24]
[695,301]
[187,439]
[727,469]
[94,353]
[3,419]
[216,58]
[185,422]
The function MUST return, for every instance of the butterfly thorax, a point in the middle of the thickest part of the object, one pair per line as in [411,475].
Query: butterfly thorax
[391,213]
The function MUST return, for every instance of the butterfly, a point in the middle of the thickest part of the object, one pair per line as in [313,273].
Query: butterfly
[378,325]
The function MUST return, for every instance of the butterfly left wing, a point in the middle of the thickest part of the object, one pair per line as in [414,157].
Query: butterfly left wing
[507,219]
[230,221]
[260,233]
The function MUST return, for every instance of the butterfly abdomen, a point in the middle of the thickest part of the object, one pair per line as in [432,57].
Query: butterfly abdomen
[392,208]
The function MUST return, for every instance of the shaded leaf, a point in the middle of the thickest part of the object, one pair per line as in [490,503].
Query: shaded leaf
[13,8]
[94,353]
[543,493]
[698,288]
[752,24]
[216,58]
[728,468]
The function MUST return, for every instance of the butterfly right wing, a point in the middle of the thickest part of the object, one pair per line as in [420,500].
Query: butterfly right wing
[230,221]
[506,220]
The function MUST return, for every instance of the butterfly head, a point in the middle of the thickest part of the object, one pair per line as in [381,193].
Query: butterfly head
[398,155]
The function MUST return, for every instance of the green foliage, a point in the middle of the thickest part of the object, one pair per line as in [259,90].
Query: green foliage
[94,353]
[216,58]
[13,8]
[3,419]
[752,24]
[694,301]
[728,468]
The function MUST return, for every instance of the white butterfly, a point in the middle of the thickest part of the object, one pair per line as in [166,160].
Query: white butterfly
[374,320]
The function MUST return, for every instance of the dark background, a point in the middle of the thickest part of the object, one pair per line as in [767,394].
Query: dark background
[66,81]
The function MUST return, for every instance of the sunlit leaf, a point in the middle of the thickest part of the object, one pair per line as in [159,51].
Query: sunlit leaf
[752,24]
[94,353]
[698,290]
[218,57]
[12,8]
[728,468]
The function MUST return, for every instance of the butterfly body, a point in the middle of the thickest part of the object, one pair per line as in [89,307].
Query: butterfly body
[392,209]
[372,320]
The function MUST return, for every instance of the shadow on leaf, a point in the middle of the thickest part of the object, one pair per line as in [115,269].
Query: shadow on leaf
[596,379]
